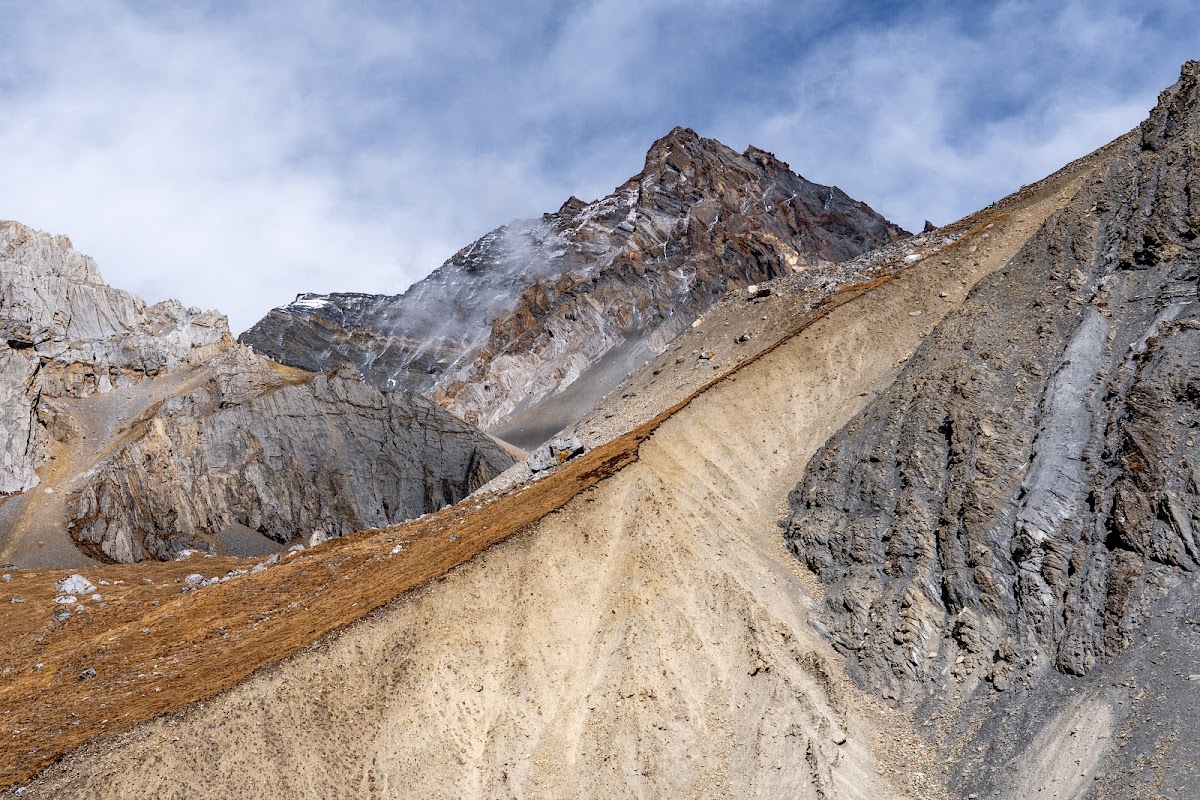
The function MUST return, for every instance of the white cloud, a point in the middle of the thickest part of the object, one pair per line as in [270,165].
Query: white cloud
[232,157]
[932,118]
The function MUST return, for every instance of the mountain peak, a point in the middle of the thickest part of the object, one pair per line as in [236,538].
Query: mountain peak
[511,321]
[680,135]
[1177,111]
[765,159]
[681,145]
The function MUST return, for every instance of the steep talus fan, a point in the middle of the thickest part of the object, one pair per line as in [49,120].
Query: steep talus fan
[525,329]
[1020,501]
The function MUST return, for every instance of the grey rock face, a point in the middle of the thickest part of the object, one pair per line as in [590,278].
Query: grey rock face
[571,302]
[90,337]
[64,333]
[21,443]
[171,436]
[1026,493]
[251,449]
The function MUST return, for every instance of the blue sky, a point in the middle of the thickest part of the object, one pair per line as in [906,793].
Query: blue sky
[234,154]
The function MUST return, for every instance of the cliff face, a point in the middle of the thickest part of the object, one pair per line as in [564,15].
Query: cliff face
[249,450]
[64,333]
[148,430]
[572,302]
[1018,503]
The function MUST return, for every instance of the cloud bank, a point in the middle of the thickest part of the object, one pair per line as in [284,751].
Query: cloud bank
[234,154]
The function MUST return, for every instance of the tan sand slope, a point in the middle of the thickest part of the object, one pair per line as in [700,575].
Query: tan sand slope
[650,639]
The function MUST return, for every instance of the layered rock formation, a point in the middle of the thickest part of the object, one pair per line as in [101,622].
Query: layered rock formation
[1017,504]
[155,432]
[248,449]
[995,440]
[65,333]
[523,330]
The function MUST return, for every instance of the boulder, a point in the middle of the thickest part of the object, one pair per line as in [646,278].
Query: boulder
[75,584]
[555,452]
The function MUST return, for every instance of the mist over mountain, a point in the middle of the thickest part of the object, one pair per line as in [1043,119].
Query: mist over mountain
[525,329]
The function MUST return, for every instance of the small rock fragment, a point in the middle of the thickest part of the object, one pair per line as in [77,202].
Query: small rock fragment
[87,673]
[75,584]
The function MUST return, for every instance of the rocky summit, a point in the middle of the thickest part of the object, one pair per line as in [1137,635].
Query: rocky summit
[525,329]
[65,333]
[135,431]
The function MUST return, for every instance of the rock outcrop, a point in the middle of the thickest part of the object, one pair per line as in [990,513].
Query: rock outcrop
[523,330]
[65,333]
[1015,507]
[252,447]
[167,435]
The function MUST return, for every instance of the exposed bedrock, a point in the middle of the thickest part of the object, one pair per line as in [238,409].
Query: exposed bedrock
[1021,499]
[153,431]
[286,457]
[65,333]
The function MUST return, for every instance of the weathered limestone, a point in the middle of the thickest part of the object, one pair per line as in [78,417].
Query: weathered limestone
[64,333]
[249,449]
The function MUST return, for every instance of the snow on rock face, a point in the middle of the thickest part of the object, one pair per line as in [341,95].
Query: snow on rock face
[309,301]
[584,293]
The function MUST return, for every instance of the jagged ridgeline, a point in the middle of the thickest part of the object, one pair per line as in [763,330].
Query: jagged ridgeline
[147,430]
[1022,501]
[524,330]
